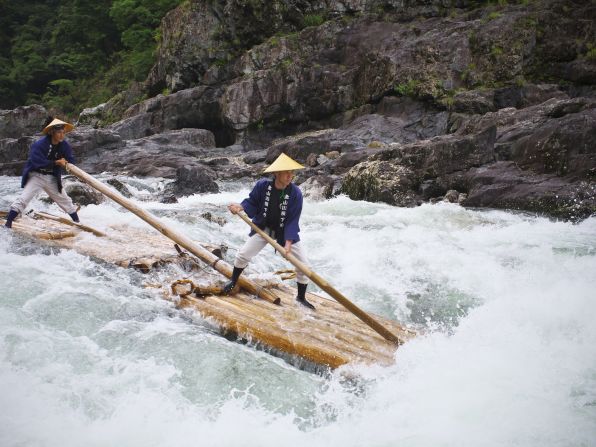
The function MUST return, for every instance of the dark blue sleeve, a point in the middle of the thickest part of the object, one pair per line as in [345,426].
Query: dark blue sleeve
[292,227]
[252,203]
[68,155]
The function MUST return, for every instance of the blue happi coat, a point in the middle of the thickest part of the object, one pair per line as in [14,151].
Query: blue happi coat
[38,159]
[256,207]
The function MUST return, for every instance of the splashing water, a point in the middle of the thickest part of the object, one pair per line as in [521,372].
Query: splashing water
[505,304]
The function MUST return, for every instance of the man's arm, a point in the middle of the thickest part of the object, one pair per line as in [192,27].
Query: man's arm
[250,205]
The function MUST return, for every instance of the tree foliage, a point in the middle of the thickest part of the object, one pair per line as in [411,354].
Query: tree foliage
[71,54]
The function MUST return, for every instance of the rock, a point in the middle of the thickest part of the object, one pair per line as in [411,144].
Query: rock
[349,159]
[443,155]
[87,142]
[191,108]
[474,102]
[312,160]
[564,146]
[217,162]
[113,110]
[215,219]
[120,187]
[255,157]
[504,185]
[168,197]
[321,187]
[82,194]
[321,159]
[451,196]
[92,116]
[158,155]
[22,121]
[527,95]
[430,189]
[402,103]
[194,179]
[13,154]
[381,181]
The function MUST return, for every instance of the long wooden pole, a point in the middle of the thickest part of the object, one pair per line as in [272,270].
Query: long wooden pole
[366,318]
[69,222]
[180,239]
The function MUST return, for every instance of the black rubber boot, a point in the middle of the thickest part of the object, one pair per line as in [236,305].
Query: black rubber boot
[233,280]
[301,298]
[10,217]
[74,216]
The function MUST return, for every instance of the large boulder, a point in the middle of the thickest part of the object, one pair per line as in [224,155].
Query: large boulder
[381,181]
[159,155]
[553,137]
[396,175]
[22,121]
[504,185]
[88,142]
[13,154]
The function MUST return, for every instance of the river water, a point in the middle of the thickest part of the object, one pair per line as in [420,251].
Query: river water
[505,303]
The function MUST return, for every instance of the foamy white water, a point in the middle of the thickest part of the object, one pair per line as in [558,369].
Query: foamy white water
[507,304]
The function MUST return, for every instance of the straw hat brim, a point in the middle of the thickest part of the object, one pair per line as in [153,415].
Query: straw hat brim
[283,163]
[56,122]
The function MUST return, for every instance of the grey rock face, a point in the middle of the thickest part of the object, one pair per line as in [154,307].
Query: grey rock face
[22,121]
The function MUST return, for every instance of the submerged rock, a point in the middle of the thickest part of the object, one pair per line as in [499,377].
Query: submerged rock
[82,194]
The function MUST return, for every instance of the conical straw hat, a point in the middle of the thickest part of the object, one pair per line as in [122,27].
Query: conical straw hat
[283,163]
[56,122]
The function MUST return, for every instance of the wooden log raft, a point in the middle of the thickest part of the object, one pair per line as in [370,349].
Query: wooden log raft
[330,336]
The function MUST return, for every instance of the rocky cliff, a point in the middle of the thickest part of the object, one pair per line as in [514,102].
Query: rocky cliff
[492,105]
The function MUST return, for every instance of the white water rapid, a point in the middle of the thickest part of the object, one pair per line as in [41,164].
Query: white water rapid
[506,303]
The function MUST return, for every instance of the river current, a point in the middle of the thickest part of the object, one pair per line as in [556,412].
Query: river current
[505,304]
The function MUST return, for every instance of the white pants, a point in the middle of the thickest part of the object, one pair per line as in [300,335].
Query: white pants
[48,183]
[255,244]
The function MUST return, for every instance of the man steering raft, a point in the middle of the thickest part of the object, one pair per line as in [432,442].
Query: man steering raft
[43,170]
[275,207]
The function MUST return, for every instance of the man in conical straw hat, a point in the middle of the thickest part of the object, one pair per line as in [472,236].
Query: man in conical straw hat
[274,205]
[43,170]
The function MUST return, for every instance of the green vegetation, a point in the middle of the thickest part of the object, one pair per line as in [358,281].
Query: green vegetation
[591,53]
[409,88]
[71,54]
[496,51]
[313,20]
[493,15]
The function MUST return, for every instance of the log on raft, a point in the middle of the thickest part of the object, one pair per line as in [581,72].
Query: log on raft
[329,337]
